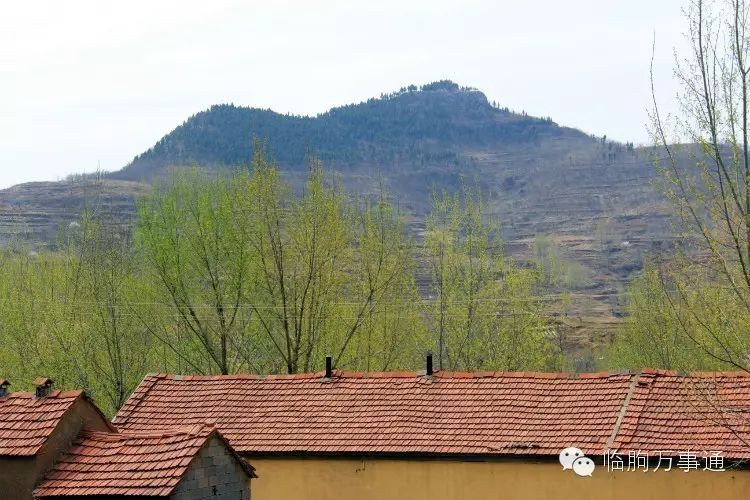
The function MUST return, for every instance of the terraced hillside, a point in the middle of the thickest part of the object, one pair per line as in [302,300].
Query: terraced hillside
[588,201]
[37,211]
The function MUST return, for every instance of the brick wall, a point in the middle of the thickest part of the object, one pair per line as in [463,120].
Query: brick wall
[214,475]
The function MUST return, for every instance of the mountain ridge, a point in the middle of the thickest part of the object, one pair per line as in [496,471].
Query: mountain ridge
[412,127]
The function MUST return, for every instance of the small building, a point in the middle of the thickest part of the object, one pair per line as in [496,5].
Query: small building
[36,429]
[185,464]
[456,435]
[59,445]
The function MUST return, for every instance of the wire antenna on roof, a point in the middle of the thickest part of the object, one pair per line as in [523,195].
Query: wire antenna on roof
[329,367]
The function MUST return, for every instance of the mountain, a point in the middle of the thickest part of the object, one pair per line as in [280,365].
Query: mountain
[434,124]
[587,200]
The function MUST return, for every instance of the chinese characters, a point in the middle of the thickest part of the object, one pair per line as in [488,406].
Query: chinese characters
[664,460]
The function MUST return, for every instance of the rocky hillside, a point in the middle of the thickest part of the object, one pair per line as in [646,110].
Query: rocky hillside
[36,212]
[587,200]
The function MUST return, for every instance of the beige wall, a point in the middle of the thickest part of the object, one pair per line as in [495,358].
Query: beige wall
[379,479]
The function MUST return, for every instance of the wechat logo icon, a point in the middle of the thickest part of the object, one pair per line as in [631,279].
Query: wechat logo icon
[573,458]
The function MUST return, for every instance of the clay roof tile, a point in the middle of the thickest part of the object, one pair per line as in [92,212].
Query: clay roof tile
[26,421]
[455,413]
[138,463]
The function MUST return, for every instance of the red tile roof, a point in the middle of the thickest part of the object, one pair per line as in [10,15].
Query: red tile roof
[449,413]
[26,422]
[703,412]
[146,464]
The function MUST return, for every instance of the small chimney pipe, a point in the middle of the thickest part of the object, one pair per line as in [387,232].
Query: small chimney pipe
[428,370]
[329,367]
[43,387]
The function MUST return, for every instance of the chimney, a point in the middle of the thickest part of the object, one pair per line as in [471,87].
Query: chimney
[428,369]
[329,367]
[4,387]
[43,386]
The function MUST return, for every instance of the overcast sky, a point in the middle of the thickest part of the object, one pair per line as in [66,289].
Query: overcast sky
[88,83]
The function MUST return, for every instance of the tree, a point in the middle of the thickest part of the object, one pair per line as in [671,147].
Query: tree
[484,310]
[240,272]
[392,331]
[102,281]
[302,254]
[69,314]
[325,270]
[707,287]
[555,269]
[25,289]
[710,184]
[652,333]
[198,250]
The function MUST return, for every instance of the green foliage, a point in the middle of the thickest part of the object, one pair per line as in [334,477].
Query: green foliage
[709,289]
[484,313]
[303,258]
[68,315]
[388,330]
[190,235]
[237,273]
[680,319]
[556,270]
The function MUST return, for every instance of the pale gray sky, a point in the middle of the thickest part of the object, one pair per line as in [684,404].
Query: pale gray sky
[84,83]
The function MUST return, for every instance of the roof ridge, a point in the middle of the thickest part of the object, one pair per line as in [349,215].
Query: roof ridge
[71,393]
[623,411]
[644,381]
[660,372]
[149,380]
[381,374]
[338,373]
[728,374]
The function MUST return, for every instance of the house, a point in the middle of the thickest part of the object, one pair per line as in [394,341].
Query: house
[182,464]
[36,429]
[58,444]
[448,435]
